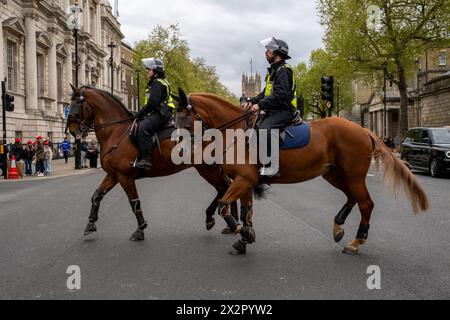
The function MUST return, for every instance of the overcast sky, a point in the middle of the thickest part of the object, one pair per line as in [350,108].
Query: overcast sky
[227,33]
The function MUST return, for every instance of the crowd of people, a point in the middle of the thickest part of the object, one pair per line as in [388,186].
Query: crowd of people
[35,158]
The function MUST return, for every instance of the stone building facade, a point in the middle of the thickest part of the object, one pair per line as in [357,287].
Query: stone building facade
[435,103]
[37,58]
[429,98]
[128,76]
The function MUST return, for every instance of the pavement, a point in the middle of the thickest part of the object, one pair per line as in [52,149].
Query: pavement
[59,170]
[295,257]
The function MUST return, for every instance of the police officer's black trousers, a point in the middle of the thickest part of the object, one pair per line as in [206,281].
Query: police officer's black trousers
[275,120]
[147,130]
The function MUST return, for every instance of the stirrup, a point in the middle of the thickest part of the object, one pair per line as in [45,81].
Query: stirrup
[143,165]
[268,172]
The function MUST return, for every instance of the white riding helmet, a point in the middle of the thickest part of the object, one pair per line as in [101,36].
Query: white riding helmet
[154,64]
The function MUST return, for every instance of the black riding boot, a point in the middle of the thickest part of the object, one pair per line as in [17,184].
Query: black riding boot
[146,152]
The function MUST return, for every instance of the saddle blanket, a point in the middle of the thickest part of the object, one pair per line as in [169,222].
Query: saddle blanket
[301,137]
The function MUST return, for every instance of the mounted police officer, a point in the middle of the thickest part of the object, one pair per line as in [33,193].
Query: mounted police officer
[157,112]
[278,100]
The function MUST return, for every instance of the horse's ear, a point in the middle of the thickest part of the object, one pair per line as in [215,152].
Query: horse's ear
[176,98]
[183,98]
[73,88]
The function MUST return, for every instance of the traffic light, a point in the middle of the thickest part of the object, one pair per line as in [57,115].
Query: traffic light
[328,89]
[7,99]
[9,103]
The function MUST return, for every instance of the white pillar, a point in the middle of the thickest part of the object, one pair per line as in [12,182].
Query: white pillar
[53,77]
[2,58]
[82,70]
[68,70]
[31,63]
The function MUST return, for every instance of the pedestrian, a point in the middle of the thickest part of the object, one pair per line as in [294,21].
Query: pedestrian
[48,158]
[40,157]
[66,147]
[93,155]
[2,157]
[29,156]
[84,152]
[18,152]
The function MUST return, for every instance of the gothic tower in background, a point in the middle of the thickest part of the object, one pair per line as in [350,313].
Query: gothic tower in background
[251,85]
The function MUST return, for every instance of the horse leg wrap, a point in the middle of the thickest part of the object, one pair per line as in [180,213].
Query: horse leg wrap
[342,215]
[246,215]
[226,215]
[136,206]
[96,200]
[363,232]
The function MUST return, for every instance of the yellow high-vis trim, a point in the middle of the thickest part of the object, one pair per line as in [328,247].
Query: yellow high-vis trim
[170,103]
[269,86]
[169,100]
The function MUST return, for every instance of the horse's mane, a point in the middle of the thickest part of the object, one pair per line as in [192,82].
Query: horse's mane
[115,98]
[227,104]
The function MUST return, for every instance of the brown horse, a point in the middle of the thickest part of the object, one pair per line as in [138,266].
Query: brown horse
[97,110]
[339,151]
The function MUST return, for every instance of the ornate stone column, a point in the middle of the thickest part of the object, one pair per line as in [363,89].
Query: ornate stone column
[53,76]
[31,88]
[2,74]
[82,69]
[68,70]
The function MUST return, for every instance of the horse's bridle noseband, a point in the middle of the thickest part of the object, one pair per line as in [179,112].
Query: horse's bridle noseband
[77,110]
[77,114]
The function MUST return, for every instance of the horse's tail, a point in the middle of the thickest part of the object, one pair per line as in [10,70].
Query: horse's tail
[398,174]
[260,192]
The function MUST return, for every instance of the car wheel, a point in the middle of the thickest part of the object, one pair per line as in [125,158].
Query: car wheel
[434,168]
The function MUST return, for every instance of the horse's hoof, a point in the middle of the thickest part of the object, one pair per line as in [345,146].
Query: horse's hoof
[350,250]
[339,235]
[138,236]
[227,231]
[248,234]
[210,224]
[90,228]
[239,248]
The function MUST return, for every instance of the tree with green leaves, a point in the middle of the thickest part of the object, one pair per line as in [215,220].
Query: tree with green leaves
[193,75]
[308,77]
[384,36]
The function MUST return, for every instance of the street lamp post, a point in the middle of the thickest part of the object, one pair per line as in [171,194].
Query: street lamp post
[73,24]
[111,63]
[138,83]
[385,101]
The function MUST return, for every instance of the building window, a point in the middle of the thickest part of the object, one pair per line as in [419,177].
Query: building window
[92,22]
[442,58]
[41,74]
[11,65]
[19,135]
[59,77]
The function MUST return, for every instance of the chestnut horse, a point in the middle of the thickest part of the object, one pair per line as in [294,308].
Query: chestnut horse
[97,110]
[340,151]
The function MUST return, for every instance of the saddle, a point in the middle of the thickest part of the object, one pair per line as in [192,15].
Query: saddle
[296,121]
[163,134]
[296,135]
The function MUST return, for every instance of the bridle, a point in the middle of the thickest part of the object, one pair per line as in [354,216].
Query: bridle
[79,108]
[228,125]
